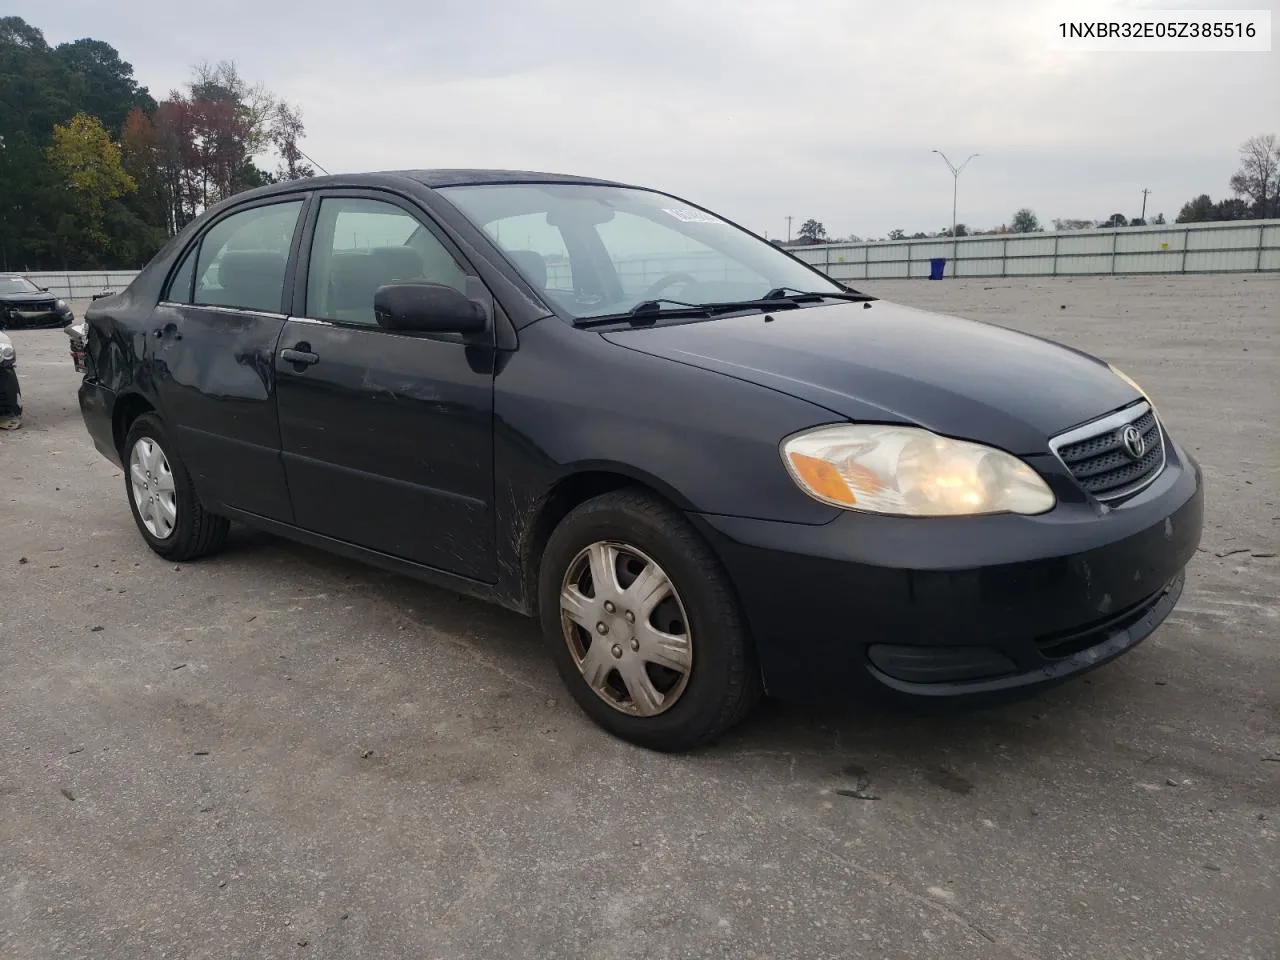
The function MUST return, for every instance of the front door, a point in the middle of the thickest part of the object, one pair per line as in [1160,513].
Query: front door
[387,436]
[212,343]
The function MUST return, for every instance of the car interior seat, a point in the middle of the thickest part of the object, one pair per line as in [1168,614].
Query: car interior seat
[251,279]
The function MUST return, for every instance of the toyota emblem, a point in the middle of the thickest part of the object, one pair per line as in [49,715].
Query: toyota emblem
[1134,443]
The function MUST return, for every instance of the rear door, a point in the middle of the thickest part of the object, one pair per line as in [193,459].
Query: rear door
[387,436]
[212,343]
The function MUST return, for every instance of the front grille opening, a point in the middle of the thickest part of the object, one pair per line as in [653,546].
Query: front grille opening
[1101,463]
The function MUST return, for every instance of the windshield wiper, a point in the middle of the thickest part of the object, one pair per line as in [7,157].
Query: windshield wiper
[647,311]
[811,296]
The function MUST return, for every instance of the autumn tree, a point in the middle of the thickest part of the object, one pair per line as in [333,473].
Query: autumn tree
[91,167]
[199,146]
[1258,178]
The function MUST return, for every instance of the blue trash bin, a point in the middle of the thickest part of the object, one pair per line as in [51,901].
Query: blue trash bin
[937,267]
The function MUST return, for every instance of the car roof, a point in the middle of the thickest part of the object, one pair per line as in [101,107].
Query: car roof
[427,178]
[473,177]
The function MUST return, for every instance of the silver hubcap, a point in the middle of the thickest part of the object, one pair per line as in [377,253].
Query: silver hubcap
[626,628]
[151,481]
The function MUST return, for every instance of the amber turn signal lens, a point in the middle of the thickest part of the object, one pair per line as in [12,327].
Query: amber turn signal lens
[822,478]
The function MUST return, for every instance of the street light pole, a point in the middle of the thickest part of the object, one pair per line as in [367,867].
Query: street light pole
[1143,217]
[955,173]
[788,229]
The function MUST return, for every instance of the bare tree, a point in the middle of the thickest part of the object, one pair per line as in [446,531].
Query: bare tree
[286,130]
[1258,178]
[255,105]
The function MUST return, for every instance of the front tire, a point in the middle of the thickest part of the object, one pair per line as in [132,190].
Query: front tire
[643,624]
[162,498]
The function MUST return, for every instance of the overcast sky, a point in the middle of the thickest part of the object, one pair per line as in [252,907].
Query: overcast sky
[755,108]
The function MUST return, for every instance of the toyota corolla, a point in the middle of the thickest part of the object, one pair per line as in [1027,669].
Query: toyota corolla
[710,471]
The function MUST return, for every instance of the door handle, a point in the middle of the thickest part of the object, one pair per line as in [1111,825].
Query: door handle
[301,357]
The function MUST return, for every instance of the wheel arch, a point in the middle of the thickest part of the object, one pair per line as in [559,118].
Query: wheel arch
[127,408]
[568,492]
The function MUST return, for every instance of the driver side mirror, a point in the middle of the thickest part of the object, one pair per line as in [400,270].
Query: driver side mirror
[428,307]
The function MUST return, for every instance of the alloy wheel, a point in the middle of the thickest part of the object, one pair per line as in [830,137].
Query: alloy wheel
[626,628]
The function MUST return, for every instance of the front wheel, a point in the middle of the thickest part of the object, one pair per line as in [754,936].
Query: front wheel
[643,624]
[165,507]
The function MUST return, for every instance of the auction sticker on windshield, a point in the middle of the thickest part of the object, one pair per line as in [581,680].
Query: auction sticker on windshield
[688,215]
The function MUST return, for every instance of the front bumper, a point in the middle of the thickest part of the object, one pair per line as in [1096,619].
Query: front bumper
[960,606]
[16,319]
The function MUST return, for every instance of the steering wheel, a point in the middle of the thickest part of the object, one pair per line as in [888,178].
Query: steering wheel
[663,282]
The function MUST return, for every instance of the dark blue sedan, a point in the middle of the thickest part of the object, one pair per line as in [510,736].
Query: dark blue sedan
[710,471]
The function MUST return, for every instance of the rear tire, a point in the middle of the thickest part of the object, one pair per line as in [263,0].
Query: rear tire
[667,665]
[162,497]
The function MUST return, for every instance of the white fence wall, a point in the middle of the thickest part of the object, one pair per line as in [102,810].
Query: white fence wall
[82,285]
[1242,246]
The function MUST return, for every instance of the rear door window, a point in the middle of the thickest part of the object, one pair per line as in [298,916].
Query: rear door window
[242,259]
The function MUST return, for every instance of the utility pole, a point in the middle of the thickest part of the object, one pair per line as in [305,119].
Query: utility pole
[788,229]
[1143,218]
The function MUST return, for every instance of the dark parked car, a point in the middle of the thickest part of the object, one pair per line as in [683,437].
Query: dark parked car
[709,470]
[23,304]
[10,390]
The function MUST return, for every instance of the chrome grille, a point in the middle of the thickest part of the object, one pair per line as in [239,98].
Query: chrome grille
[1097,456]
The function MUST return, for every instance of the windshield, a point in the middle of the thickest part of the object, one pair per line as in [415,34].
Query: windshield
[17,285]
[598,250]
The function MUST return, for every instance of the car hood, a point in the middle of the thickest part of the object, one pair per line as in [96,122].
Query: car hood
[25,299]
[883,362]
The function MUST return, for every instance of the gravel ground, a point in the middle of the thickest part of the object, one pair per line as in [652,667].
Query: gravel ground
[276,753]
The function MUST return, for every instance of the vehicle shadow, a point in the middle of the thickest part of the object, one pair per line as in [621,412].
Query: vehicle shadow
[860,748]
[1007,752]
[415,603]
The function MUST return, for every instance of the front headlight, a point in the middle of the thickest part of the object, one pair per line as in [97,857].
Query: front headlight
[911,472]
[59,305]
[7,353]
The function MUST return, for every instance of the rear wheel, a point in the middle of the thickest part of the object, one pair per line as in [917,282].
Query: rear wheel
[643,624]
[165,507]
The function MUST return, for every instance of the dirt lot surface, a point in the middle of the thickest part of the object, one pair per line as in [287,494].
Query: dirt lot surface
[275,753]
